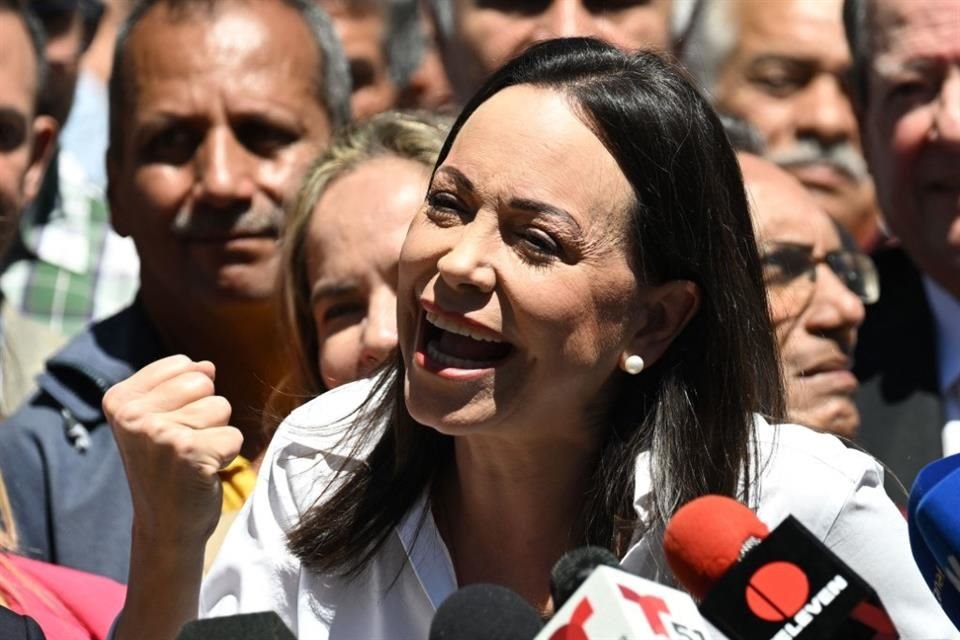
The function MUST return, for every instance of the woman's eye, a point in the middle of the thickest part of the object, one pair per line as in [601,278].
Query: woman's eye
[444,209]
[540,242]
[342,310]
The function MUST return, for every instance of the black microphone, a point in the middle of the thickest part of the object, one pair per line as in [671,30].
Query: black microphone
[265,625]
[780,585]
[573,568]
[485,612]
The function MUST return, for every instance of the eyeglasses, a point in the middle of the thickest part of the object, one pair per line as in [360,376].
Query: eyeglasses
[786,262]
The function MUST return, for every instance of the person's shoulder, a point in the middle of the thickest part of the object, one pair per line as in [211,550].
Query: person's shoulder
[321,423]
[794,446]
[321,441]
[809,475]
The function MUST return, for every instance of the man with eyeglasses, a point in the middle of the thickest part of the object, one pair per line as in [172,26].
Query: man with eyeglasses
[817,288]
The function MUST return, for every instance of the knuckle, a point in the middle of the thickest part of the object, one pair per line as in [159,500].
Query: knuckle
[125,415]
[197,382]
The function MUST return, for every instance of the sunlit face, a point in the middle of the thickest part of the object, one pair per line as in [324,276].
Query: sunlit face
[816,321]
[515,297]
[353,245]
[362,32]
[487,33]
[785,77]
[222,120]
[912,130]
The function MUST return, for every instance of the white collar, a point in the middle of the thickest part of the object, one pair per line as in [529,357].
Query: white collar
[946,314]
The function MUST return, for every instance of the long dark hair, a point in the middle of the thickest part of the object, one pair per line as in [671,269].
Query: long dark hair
[693,411]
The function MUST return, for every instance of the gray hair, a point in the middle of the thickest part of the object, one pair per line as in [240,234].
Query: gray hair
[333,79]
[443,17]
[405,40]
[703,36]
[858,25]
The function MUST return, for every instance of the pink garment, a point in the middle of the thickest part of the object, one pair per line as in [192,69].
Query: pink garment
[66,603]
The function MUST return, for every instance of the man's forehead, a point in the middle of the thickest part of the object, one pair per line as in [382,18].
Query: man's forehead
[18,63]
[782,208]
[256,30]
[250,46]
[906,30]
[811,31]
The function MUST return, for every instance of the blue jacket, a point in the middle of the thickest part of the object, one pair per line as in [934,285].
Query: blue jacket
[61,465]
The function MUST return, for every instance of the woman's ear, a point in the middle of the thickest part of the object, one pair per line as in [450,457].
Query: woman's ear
[667,308]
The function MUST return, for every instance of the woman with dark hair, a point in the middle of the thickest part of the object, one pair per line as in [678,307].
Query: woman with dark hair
[584,347]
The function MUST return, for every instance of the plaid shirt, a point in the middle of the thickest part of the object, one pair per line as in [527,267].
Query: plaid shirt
[68,267]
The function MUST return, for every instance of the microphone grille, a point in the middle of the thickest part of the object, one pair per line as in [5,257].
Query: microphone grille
[573,568]
[485,612]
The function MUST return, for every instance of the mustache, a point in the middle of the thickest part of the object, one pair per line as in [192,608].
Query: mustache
[842,156]
[205,223]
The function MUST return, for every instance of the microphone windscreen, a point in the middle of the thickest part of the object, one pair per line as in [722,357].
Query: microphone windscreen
[705,538]
[485,612]
[573,568]
[934,526]
[265,625]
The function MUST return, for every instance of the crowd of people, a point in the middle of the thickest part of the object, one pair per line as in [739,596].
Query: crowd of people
[331,307]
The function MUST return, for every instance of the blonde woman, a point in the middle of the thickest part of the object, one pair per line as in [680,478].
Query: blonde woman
[341,245]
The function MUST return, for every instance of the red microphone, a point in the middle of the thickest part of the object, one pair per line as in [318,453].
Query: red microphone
[756,583]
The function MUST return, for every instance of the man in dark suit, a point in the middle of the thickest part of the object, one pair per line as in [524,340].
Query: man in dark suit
[906,86]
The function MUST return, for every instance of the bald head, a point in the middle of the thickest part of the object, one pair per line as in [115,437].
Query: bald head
[780,205]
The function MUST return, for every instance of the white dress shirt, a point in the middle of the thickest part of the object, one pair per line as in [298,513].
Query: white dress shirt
[834,491]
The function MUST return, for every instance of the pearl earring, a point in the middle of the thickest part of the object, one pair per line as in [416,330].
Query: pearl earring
[632,364]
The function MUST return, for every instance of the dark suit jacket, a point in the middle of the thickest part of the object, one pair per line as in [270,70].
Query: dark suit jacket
[901,411]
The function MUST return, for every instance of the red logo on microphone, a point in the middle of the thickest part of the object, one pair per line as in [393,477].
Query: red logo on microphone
[777,591]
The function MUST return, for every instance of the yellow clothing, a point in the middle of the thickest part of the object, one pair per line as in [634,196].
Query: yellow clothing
[237,479]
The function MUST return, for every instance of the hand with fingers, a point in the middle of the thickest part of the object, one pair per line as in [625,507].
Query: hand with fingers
[173,435]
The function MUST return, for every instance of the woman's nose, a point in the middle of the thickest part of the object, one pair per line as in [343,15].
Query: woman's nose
[379,337]
[466,265]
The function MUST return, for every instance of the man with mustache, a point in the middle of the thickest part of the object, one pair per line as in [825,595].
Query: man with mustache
[817,290]
[906,89]
[216,111]
[780,66]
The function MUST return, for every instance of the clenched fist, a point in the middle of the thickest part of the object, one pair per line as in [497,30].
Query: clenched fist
[173,435]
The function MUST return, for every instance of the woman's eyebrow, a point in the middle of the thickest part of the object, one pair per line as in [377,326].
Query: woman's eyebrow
[332,289]
[462,181]
[536,206]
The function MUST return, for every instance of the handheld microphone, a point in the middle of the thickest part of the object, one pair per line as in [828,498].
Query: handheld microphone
[614,604]
[265,625]
[573,568]
[780,585]
[933,521]
[484,612]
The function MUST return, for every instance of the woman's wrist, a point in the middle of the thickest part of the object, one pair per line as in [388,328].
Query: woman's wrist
[163,590]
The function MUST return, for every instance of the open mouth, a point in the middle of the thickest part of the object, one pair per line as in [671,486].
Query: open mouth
[448,344]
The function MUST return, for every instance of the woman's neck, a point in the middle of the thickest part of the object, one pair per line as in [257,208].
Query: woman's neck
[508,513]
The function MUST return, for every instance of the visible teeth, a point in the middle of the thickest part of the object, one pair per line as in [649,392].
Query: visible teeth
[458,363]
[458,329]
